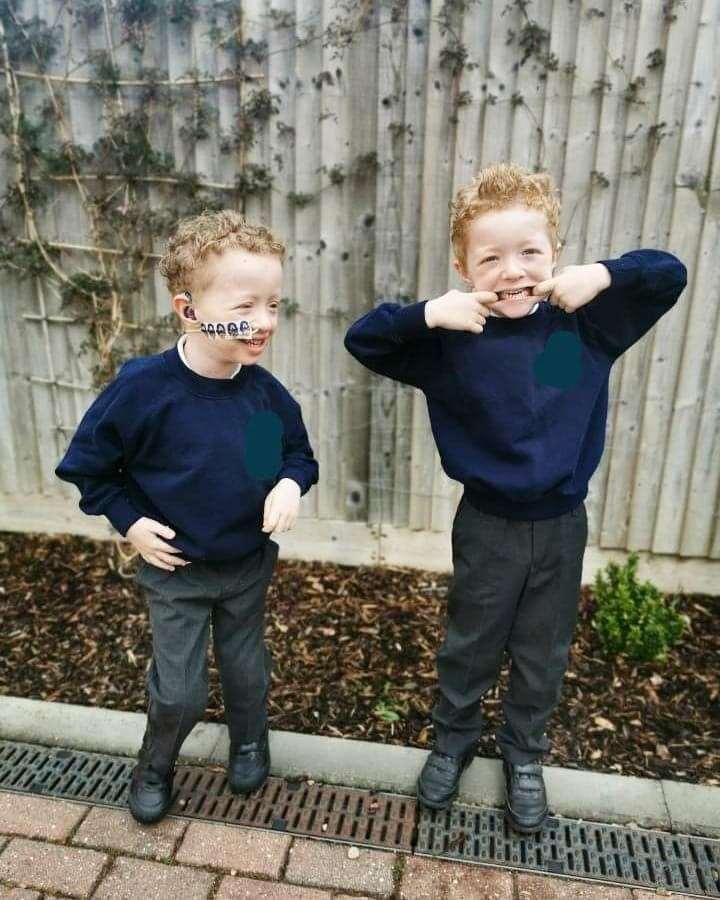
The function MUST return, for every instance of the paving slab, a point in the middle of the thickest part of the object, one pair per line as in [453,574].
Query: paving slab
[250,889]
[336,866]
[140,879]
[51,867]
[247,851]
[331,760]
[38,817]
[596,796]
[18,894]
[544,887]
[578,793]
[424,878]
[116,829]
[91,728]
[694,808]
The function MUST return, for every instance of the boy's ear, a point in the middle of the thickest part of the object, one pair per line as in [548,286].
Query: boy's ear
[182,306]
[460,269]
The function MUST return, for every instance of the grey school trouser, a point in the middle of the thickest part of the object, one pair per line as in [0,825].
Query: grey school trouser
[181,605]
[515,587]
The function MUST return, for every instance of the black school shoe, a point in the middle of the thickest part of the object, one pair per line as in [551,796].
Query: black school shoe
[525,797]
[438,783]
[151,794]
[249,764]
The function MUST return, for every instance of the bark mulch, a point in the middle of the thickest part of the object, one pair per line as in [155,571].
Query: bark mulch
[354,656]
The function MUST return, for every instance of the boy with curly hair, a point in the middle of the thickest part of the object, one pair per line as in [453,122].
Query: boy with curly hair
[196,454]
[515,373]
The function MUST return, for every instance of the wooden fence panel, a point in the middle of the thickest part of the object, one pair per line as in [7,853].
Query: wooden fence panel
[618,101]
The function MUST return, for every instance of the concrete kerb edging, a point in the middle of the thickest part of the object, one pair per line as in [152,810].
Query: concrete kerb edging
[579,794]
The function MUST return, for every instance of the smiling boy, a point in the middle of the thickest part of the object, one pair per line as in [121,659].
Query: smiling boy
[515,373]
[196,455]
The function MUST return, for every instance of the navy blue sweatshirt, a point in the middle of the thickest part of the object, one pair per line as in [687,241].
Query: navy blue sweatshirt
[518,411]
[190,452]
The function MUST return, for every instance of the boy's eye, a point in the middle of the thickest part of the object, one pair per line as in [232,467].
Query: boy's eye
[487,259]
[531,250]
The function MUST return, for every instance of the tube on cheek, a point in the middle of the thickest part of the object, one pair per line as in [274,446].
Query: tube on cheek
[234,330]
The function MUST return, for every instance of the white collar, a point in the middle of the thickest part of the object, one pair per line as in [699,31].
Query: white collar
[496,316]
[180,346]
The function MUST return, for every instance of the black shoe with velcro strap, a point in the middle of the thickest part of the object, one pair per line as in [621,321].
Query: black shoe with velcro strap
[151,792]
[249,764]
[525,797]
[438,783]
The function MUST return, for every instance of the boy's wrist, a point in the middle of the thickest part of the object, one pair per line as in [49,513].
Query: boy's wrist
[603,275]
[429,311]
[293,481]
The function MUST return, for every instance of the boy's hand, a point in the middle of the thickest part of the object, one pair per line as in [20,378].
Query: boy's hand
[281,506]
[145,536]
[574,286]
[460,310]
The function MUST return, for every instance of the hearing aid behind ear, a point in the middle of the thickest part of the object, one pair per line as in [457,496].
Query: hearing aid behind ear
[233,330]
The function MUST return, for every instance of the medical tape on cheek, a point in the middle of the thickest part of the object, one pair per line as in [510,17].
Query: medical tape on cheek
[234,330]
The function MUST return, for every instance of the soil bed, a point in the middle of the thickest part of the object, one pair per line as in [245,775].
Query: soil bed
[354,656]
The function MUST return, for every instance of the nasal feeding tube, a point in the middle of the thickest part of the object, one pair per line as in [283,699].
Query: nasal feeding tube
[233,330]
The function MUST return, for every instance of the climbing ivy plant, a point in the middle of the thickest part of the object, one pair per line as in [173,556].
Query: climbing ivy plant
[112,178]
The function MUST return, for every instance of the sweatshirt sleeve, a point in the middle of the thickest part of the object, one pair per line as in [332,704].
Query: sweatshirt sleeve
[395,341]
[644,286]
[299,463]
[95,456]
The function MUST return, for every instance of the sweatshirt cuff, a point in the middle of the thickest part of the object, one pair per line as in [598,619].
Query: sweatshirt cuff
[121,513]
[409,321]
[295,476]
[624,273]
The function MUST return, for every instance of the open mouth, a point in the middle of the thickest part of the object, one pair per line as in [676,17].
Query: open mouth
[257,343]
[523,293]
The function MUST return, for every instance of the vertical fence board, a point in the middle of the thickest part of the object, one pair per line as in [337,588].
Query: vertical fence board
[416,88]
[308,64]
[679,229]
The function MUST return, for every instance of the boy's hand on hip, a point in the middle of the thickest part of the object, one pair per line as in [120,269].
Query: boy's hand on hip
[281,506]
[146,535]
[460,310]
[574,286]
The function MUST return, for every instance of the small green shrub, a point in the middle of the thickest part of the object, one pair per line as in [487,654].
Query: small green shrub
[633,618]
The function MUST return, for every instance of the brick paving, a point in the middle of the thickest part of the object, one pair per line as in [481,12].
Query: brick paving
[61,849]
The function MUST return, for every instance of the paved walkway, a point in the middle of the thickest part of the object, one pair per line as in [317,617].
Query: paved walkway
[60,848]
[63,849]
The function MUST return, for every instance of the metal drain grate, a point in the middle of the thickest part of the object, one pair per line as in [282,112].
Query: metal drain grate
[316,810]
[630,856]
[70,774]
[343,814]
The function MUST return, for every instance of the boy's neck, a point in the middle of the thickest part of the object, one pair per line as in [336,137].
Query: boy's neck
[202,365]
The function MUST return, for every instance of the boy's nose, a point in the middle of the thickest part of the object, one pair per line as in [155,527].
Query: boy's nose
[512,269]
[261,322]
